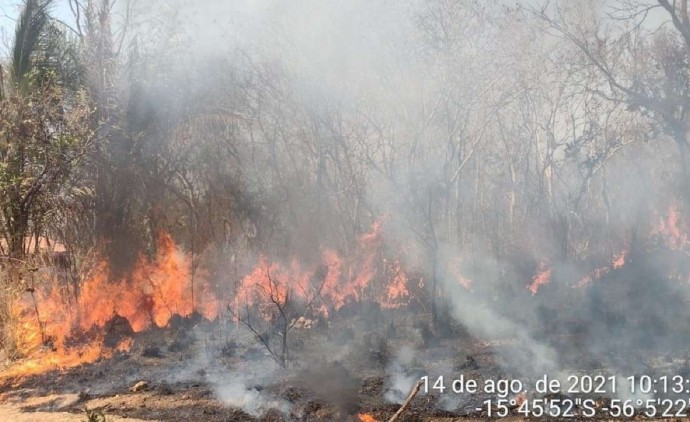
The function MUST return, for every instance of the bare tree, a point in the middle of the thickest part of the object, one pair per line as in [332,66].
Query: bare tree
[277,311]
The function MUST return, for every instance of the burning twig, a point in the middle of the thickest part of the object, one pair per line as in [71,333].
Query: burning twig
[38,316]
[407,402]
[31,291]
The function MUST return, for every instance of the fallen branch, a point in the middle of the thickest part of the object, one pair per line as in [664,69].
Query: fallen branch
[407,402]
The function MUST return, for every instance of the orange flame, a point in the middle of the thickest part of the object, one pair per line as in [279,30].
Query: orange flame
[365,417]
[672,229]
[542,277]
[520,399]
[616,262]
[155,291]
[619,260]
[69,329]
[151,295]
[270,282]
[455,268]
[347,279]
[397,293]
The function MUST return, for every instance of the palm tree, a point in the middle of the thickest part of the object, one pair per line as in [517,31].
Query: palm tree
[28,38]
[38,143]
[41,47]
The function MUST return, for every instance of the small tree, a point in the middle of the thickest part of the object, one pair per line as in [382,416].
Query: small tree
[278,308]
[41,142]
[43,126]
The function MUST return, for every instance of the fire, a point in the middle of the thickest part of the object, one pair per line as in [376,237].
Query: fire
[125,345]
[542,278]
[455,269]
[672,229]
[396,291]
[54,326]
[544,272]
[619,260]
[68,358]
[59,328]
[520,399]
[270,282]
[151,295]
[348,278]
[365,417]
[616,262]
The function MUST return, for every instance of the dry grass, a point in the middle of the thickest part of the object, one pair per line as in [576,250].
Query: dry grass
[10,291]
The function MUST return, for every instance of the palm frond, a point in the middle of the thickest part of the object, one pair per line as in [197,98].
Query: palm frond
[30,29]
[59,54]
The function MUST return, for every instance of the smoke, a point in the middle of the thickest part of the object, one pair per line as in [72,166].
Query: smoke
[528,355]
[242,386]
[402,375]
[243,391]
[465,124]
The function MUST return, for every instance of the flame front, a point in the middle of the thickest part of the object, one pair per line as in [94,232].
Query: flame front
[672,229]
[70,328]
[344,279]
[616,262]
[542,278]
[69,331]
[155,291]
[365,417]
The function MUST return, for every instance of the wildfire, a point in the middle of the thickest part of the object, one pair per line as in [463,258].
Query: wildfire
[271,282]
[542,277]
[365,417]
[455,269]
[58,328]
[155,291]
[619,260]
[396,292]
[672,229]
[65,358]
[616,262]
[544,272]
[347,279]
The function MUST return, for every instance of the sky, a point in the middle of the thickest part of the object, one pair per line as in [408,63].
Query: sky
[9,11]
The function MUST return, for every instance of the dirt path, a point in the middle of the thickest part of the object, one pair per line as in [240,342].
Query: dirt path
[16,414]
[47,409]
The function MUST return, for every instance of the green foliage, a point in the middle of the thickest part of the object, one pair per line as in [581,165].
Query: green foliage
[42,140]
[29,37]
[58,56]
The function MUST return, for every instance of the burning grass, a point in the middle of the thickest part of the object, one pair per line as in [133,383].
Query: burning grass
[59,328]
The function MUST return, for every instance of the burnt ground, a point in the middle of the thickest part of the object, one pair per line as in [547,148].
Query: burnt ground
[206,371]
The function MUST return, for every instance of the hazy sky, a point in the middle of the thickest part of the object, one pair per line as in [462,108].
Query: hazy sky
[9,11]
[236,21]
